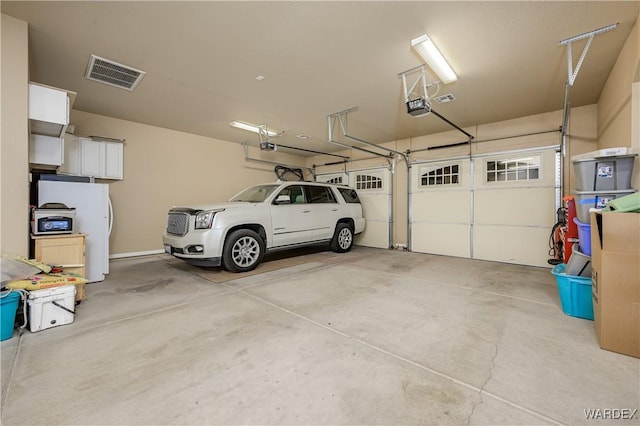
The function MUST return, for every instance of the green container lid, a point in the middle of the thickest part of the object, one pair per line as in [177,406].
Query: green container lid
[626,204]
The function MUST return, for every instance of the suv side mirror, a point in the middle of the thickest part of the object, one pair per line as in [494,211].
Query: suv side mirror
[283,199]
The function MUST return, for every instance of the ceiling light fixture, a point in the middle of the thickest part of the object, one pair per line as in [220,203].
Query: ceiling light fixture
[432,56]
[252,128]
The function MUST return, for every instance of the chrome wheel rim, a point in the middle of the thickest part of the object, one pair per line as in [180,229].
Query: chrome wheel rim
[344,238]
[245,251]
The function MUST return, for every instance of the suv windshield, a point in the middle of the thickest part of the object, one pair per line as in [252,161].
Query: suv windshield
[255,194]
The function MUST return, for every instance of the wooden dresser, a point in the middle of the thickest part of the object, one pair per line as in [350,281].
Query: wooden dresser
[64,250]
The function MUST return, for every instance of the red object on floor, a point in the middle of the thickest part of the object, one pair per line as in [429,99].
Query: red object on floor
[571,232]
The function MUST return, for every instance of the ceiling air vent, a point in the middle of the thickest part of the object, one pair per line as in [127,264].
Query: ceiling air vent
[444,99]
[112,73]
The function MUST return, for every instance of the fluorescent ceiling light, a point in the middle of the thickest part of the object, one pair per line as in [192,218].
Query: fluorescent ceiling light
[252,128]
[428,51]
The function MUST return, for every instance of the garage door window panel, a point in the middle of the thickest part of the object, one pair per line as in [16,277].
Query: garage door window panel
[445,175]
[335,178]
[513,169]
[368,182]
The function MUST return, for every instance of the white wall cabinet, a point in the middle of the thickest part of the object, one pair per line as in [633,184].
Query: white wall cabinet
[48,119]
[48,110]
[114,160]
[71,156]
[93,157]
[46,150]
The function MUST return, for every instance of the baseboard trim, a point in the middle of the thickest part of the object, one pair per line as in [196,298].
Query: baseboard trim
[135,254]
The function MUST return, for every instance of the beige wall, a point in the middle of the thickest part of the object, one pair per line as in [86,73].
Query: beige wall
[539,131]
[14,151]
[616,113]
[163,168]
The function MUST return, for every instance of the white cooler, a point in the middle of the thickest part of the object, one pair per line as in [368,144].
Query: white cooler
[51,307]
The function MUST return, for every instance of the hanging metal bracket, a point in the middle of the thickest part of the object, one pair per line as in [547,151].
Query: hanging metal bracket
[573,73]
[418,102]
[341,118]
[266,144]
[245,146]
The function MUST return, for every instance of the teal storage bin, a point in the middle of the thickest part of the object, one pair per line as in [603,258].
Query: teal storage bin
[575,293]
[8,308]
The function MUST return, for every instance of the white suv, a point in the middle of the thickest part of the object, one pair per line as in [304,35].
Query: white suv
[262,218]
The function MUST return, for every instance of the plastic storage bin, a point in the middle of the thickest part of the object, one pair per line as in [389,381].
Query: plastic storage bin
[629,203]
[584,236]
[604,174]
[575,293]
[51,307]
[579,264]
[605,152]
[586,200]
[8,308]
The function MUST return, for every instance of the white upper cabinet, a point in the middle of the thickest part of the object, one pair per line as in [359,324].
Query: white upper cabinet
[113,160]
[46,151]
[92,158]
[71,158]
[49,110]
[96,158]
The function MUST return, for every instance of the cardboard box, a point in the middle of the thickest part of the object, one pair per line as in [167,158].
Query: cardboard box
[81,293]
[615,261]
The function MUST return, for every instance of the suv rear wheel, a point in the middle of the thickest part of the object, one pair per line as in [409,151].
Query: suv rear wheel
[342,238]
[242,251]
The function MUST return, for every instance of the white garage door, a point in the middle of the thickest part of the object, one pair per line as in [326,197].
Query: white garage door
[498,207]
[441,207]
[374,190]
[514,207]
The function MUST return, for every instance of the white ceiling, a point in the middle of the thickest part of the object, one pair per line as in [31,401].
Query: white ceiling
[317,58]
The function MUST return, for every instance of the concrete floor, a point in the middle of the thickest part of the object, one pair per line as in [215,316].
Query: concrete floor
[368,337]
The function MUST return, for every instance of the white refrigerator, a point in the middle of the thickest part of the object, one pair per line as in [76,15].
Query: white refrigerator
[94,217]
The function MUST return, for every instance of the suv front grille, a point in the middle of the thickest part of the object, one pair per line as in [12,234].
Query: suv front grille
[177,223]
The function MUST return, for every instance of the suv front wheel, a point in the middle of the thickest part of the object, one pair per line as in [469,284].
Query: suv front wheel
[342,238]
[242,251]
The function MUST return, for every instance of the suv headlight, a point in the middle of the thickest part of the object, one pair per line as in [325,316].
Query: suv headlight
[204,219]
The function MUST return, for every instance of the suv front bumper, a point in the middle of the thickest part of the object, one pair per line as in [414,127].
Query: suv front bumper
[196,261]
[201,248]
